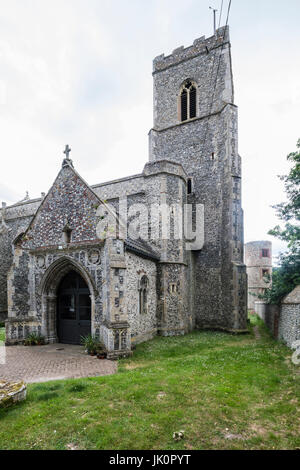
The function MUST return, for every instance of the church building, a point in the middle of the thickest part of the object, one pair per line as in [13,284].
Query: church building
[64,273]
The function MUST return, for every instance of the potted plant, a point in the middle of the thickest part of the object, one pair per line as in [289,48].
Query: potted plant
[40,340]
[101,351]
[34,339]
[90,344]
[93,346]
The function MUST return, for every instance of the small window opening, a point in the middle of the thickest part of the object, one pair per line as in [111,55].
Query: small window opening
[265,273]
[173,288]
[67,233]
[116,340]
[123,339]
[189,186]
[213,156]
[265,253]
[143,295]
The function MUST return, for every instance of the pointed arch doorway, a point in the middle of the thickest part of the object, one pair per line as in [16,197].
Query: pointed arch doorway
[73,309]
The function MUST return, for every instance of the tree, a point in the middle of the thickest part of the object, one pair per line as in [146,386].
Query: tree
[287,276]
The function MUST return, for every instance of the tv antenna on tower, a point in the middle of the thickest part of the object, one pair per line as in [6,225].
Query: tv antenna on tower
[215,15]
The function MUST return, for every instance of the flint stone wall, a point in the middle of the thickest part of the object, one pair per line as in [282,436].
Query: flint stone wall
[14,220]
[143,326]
[25,301]
[282,320]
[207,149]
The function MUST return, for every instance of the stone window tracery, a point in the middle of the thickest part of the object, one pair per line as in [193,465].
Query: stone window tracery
[120,340]
[188,101]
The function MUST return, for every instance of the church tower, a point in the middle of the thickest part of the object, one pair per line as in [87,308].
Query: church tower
[195,125]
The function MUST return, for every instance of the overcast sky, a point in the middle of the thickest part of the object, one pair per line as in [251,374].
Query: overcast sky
[79,72]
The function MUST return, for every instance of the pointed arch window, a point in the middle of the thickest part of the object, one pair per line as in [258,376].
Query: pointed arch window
[188,101]
[143,295]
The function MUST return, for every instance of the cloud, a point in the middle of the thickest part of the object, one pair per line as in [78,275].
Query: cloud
[79,72]
[8,195]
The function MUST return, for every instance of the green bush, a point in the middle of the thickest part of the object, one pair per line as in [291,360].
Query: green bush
[287,276]
[33,339]
[284,280]
[92,345]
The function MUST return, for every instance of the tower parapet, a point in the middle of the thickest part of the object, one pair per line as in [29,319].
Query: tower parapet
[201,45]
[205,68]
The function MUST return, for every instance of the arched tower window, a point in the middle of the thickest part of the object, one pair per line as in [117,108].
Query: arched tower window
[143,295]
[188,101]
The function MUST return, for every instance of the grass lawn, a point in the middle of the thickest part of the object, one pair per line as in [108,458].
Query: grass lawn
[2,334]
[224,391]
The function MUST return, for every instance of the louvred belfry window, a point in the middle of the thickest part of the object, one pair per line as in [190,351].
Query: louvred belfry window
[188,101]
[184,100]
[192,102]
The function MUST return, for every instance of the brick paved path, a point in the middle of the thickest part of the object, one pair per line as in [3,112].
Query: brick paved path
[51,362]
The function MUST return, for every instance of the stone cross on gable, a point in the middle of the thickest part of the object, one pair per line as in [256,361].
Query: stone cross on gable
[67,151]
